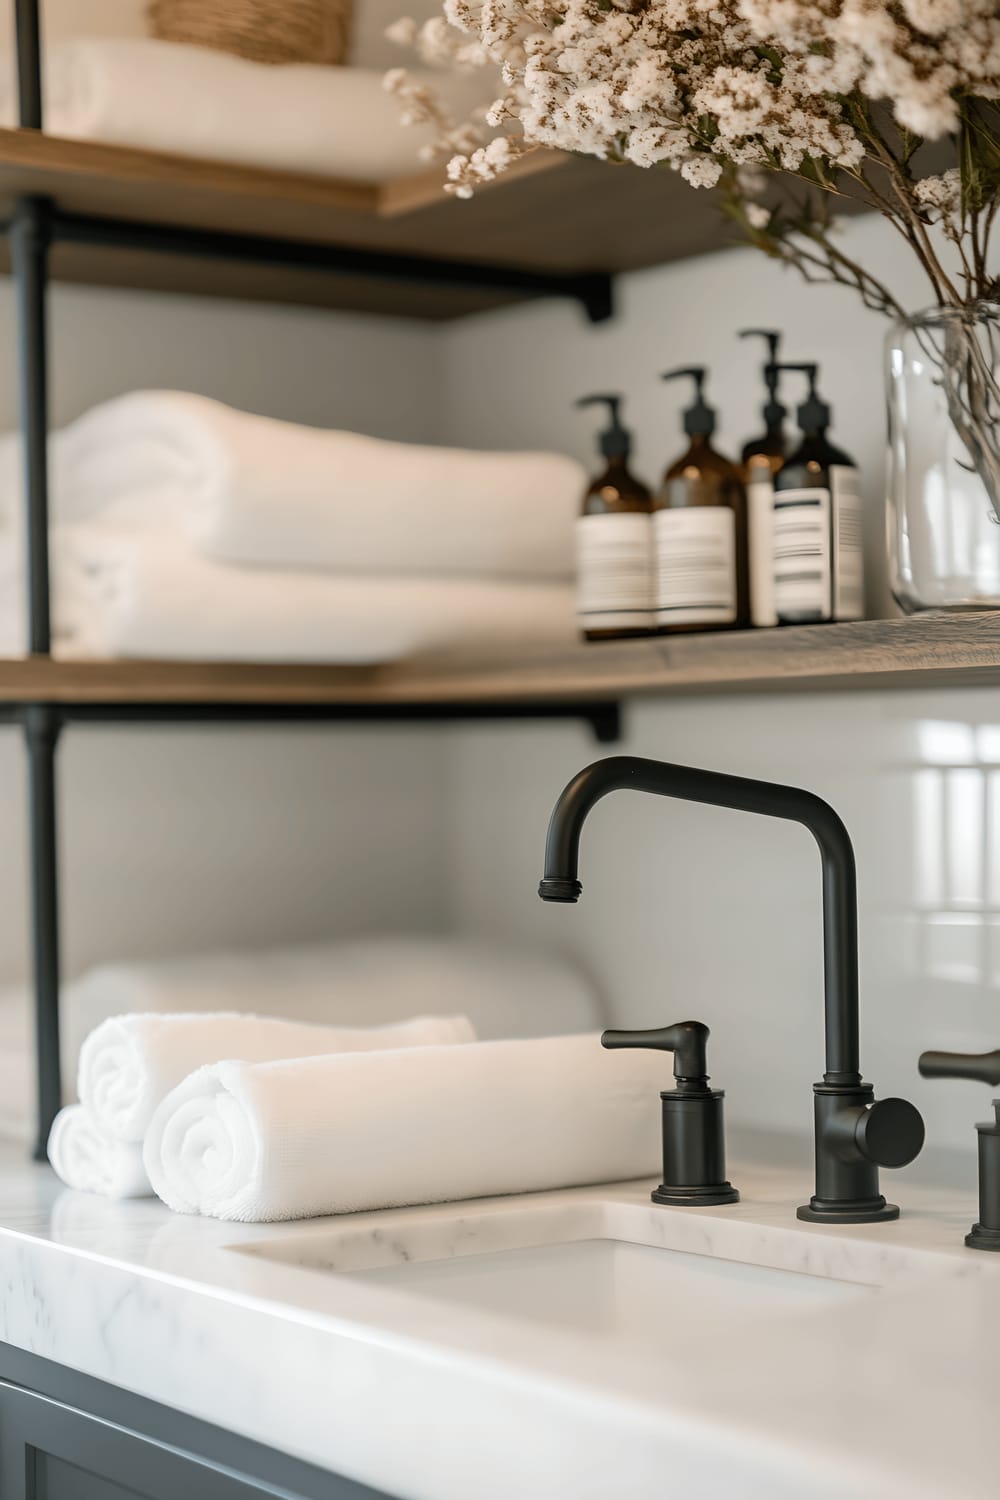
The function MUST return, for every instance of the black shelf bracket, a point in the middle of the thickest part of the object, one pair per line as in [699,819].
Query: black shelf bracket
[603,718]
[593,290]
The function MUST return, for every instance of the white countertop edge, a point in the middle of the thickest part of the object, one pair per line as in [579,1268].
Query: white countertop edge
[430,1403]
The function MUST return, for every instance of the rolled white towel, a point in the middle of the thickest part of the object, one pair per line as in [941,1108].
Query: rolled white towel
[85,1156]
[322,1135]
[129,1063]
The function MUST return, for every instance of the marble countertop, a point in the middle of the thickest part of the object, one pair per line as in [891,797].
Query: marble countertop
[882,1397]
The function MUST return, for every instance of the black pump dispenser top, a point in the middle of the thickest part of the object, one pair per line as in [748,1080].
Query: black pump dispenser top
[615,440]
[699,418]
[774,413]
[814,415]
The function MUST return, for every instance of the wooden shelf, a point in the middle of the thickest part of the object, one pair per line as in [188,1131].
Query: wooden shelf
[948,649]
[556,214]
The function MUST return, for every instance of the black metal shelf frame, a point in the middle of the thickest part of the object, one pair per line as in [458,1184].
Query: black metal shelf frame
[35,224]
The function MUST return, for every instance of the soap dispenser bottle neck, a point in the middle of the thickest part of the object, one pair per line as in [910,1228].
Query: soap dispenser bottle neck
[615,488]
[762,457]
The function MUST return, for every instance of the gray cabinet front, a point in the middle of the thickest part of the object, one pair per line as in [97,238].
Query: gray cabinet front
[66,1437]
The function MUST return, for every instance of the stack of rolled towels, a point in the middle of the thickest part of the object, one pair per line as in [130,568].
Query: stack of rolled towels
[184,529]
[257,1119]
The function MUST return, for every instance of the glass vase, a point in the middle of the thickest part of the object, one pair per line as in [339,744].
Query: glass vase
[943,497]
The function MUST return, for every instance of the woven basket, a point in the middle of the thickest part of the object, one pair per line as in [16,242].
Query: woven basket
[265,31]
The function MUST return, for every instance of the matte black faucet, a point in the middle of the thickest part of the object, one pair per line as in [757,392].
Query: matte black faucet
[854,1134]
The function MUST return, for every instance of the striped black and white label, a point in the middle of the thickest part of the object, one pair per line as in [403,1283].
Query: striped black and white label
[760,527]
[818,559]
[695,565]
[614,563]
[802,553]
[848,545]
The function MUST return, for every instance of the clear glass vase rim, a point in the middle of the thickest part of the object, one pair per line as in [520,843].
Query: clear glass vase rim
[976,312]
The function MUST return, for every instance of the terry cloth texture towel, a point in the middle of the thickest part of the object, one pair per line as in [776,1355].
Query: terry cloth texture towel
[85,1156]
[323,1135]
[130,1063]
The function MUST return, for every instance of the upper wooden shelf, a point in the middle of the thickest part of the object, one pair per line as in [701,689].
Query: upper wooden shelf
[950,649]
[556,214]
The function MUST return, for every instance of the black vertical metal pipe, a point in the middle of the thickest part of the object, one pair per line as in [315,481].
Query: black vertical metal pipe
[41,732]
[27,41]
[29,248]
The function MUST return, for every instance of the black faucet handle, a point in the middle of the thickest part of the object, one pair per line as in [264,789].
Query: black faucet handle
[694,1138]
[981,1067]
[687,1040]
[889,1132]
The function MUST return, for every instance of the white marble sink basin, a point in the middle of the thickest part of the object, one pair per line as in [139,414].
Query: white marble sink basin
[606,1288]
[630,1272]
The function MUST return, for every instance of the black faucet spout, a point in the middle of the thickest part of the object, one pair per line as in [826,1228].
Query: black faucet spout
[854,1134]
[840,900]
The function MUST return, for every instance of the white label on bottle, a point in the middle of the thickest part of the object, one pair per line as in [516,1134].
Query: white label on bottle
[848,547]
[614,569]
[760,523]
[695,565]
[818,562]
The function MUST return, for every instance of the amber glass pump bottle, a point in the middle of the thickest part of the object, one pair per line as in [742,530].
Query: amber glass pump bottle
[614,545]
[700,530]
[762,458]
[818,556]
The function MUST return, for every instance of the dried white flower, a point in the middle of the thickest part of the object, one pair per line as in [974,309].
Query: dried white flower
[403,32]
[733,90]
[701,171]
[706,84]
[943,193]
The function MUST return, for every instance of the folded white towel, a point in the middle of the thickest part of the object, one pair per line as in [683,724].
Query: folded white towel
[153,597]
[130,1063]
[85,1156]
[253,490]
[323,1135]
[191,101]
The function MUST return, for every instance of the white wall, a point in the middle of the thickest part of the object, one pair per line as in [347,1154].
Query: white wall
[183,839]
[377,375]
[699,912]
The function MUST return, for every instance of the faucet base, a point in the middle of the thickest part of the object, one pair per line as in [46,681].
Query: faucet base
[696,1197]
[859,1211]
[982,1238]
